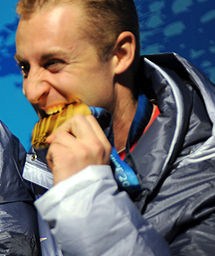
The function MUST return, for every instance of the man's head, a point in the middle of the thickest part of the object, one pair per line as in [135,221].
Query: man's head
[106,19]
[76,50]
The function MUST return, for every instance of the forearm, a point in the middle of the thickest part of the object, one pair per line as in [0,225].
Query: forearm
[88,216]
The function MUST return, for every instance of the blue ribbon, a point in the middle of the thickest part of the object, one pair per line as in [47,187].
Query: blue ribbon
[125,176]
[123,173]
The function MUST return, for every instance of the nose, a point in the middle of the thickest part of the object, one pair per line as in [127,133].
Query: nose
[36,87]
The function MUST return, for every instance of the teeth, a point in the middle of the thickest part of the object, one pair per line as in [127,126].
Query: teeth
[54,110]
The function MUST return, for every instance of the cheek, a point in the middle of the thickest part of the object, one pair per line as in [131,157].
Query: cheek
[100,88]
[100,95]
[62,84]
[92,86]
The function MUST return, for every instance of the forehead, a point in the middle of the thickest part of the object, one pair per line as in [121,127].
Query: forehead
[53,26]
[54,16]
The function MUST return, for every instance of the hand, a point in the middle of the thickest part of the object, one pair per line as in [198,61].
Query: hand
[76,144]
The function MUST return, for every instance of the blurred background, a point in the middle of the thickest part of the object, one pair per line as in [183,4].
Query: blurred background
[183,26]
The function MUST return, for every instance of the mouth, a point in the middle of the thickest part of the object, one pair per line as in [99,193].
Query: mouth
[55,109]
[52,110]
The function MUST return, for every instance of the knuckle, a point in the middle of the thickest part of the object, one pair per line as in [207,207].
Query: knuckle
[98,147]
[76,119]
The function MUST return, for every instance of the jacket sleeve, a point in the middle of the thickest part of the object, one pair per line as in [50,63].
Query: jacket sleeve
[88,216]
[18,222]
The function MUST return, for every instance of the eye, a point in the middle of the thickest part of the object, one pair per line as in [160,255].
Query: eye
[54,65]
[24,67]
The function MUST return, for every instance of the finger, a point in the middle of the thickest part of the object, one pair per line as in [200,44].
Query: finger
[67,127]
[78,126]
[50,138]
[87,131]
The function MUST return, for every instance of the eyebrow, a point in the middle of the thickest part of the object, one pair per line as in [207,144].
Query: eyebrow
[44,57]
[53,54]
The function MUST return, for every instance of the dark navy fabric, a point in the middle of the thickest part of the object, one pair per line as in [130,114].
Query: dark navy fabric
[18,218]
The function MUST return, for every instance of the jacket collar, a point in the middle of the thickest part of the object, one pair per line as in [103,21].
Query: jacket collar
[156,150]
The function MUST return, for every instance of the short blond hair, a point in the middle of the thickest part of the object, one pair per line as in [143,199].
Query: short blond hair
[106,19]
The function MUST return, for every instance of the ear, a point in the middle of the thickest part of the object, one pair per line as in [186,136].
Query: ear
[124,52]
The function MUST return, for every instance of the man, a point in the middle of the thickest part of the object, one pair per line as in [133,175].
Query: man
[18,222]
[162,119]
